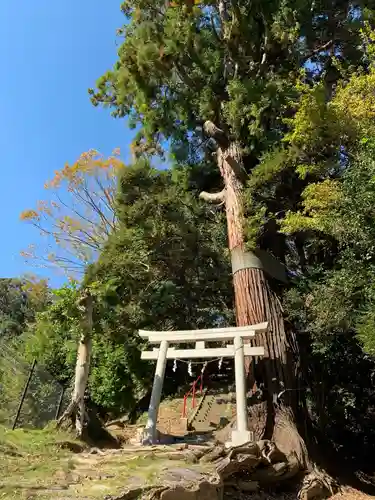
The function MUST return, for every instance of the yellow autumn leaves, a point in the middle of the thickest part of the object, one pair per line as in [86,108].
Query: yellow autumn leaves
[91,163]
[79,215]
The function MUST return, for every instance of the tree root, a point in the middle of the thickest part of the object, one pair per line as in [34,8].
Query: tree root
[71,415]
[256,466]
[243,470]
[317,484]
[250,464]
[262,464]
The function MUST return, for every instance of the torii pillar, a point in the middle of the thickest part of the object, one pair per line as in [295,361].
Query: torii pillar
[242,434]
[157,389]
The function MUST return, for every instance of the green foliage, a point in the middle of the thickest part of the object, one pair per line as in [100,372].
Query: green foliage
[52,339]
[319,201]
[268,74]
[178,67]
[334,301]
[296,92]
[169,244]
[341,386]
[354,106]
[170,272]
[343,210]
[43,393]
[19,300]
[312,119]
[13,307]
[163,268]
[12,381]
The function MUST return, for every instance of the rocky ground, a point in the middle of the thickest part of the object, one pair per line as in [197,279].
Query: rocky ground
[65,471]
[50,465]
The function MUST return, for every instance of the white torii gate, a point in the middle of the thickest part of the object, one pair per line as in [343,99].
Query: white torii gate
[237,350]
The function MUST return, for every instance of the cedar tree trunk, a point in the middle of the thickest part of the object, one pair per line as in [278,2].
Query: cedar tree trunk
[255,302]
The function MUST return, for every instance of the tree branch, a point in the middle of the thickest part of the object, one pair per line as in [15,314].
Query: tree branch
[325,46]
[263,61]
[184,75]
[213,197]
[223,12]
[216,133]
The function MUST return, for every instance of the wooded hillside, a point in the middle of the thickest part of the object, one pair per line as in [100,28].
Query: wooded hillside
[264,113]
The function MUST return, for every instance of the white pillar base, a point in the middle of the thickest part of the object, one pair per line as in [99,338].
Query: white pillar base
[240,438]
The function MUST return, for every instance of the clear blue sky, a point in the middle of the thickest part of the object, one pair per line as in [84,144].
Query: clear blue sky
[50,53]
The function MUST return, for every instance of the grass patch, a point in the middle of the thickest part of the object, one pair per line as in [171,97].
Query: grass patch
[117,474]
[31,459]
[33,441]
[34,465]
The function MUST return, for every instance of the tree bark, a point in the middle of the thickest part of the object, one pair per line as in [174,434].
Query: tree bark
[256,302]
[76,408]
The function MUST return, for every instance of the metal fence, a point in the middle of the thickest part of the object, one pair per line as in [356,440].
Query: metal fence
[30,396]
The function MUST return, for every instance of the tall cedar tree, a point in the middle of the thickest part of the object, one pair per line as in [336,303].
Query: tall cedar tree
[224,74]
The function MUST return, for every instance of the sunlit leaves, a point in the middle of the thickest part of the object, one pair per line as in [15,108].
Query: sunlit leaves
[312,116]
[319,200]
[354,106]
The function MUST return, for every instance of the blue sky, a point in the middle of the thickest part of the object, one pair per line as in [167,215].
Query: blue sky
[50,53]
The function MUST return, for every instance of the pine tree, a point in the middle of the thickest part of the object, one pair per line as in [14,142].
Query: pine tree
[227,75]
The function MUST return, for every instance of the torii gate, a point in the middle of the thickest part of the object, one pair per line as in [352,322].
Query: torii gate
[237,350]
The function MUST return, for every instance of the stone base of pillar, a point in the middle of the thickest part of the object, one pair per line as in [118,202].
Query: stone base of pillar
[148,436]
[239,438]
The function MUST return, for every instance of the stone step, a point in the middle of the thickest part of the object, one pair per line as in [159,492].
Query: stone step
[217,407]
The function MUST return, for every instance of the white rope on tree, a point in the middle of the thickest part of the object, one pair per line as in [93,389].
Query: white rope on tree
[190,372]
[174,365]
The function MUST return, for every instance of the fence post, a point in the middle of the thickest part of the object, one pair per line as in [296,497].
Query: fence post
[24,394]
[58,409]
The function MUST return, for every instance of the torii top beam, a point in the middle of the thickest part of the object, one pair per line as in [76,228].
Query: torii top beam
[209,334]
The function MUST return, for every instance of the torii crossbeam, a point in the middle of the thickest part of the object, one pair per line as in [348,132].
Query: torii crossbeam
[237,350]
